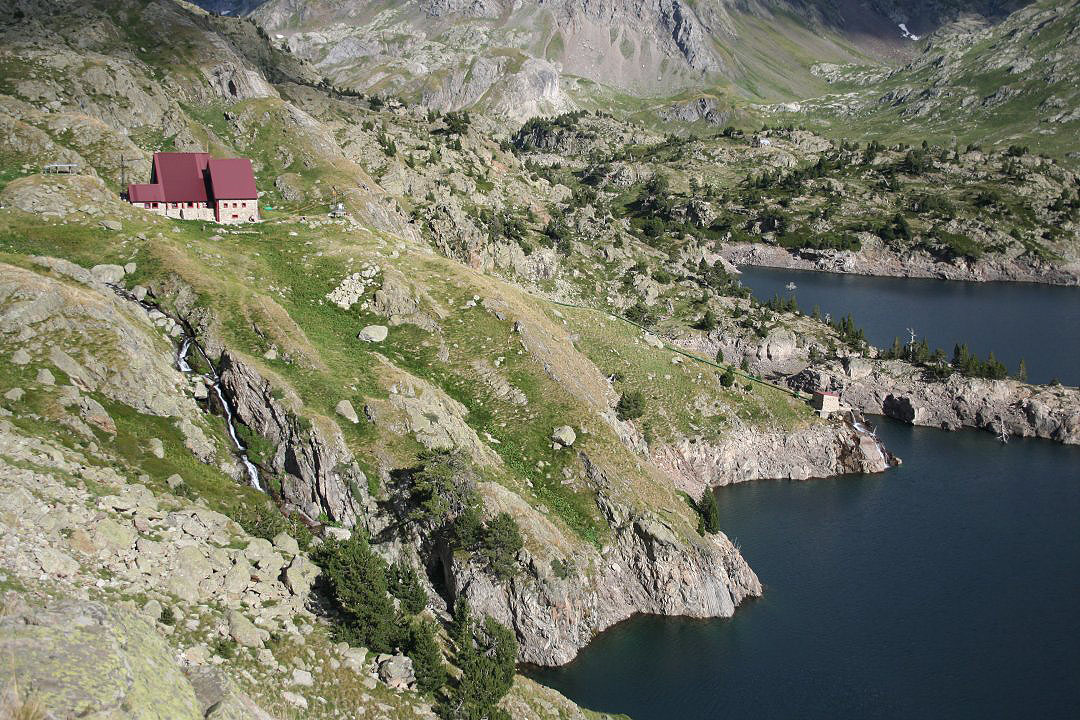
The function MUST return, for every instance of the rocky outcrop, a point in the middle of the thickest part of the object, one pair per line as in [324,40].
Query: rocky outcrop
[899,390]
[821,450]
[235,82]
[566,594]
[69,321]
[701,109]
[319,474]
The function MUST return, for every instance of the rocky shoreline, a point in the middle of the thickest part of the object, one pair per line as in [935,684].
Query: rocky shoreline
[896,389]
[818,451]
[877,260]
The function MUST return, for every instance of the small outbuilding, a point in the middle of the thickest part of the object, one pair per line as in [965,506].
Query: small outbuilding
[825,402]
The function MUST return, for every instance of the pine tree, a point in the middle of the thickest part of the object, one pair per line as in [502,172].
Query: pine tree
[1021,371]
[426,657]
[357,578]
[710,511]
[501,544]
[487,656]
[404,584]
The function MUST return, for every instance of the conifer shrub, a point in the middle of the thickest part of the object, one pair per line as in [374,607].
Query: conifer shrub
[631,405]
[404,584]
[426,656]
[356,579]
[710,512]
[486,654]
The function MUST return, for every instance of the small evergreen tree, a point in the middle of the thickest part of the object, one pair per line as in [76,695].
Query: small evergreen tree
[1021,371]
[707,321]
[404,584]
[501,544]
[487,655]
[631,405]
[426,657]
[357,581]
[710,512]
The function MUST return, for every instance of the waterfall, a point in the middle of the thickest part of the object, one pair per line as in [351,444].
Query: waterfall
[213,380]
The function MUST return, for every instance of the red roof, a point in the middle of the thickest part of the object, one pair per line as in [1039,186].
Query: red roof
[196,177]
[182,176]
[145,193]
[232,179]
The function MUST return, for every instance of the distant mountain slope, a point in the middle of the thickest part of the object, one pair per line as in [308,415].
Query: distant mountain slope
[1010,83]
[524,58]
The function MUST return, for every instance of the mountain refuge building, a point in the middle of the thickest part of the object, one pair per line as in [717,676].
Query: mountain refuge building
[195,186]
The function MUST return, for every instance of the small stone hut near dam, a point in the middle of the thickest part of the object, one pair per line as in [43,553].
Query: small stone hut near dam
[195,186]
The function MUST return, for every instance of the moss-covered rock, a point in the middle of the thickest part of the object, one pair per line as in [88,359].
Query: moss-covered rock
[87,659]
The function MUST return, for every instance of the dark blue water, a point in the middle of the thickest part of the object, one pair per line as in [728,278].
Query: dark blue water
[1040,323]
[947,587]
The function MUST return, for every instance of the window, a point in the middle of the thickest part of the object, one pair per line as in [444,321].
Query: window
[235,216]
[153,205]
[191,204]
[243,204]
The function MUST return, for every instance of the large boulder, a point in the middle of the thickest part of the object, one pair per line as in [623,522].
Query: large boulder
[111,274]
[373,333]
[564,436]
[396,671]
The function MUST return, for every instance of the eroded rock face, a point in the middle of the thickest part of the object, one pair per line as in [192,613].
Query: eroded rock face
[645,567]
[875,258]
[818,451]
[320,474]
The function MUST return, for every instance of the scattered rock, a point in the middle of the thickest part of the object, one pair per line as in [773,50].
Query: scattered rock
[14,394]
[55,563]
[302,677]
[20,357]
[109,274]
[346,410]
[564,435]
[294,699]
[242,630]
[396,671]
[173,481]
[301,574]
[338,533]
[285,543]
[152,609]
[373,333]
[113,225]
[355,658]
[654,341]
[45,377]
